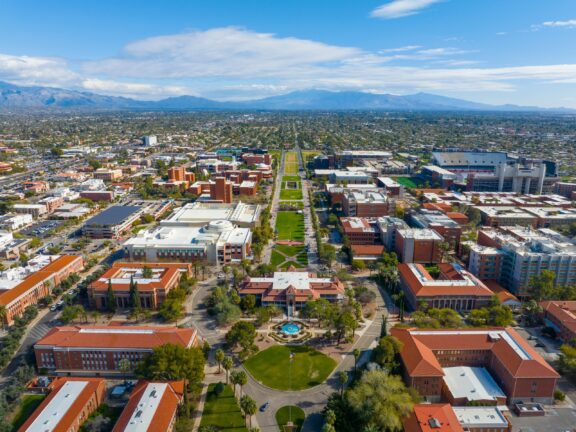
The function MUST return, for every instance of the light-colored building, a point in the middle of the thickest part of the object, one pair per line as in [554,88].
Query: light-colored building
[199,214]
[14,221]
[418,246]
[35,210]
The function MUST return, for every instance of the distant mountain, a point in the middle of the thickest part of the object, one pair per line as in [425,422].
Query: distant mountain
[20,97]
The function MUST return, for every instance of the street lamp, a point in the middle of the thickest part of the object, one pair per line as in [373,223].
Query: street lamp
[289,427]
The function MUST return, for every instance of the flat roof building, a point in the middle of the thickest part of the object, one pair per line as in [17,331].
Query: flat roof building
[112,222]
[418,246]
[199,214]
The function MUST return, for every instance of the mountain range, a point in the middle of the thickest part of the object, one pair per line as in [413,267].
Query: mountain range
[30,98]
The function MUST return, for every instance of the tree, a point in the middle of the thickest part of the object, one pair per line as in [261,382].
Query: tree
[381,399]
[147,272]
[110,298]
[242,334]
[171,310]
[124,366]
[358,265]
[342,380]
[248,407]
[170,362]
[219,355]
[227,364]
[248,303]
[356,353]
[542,285]
[386,352]
[134,294]
[3,314]
[241,380]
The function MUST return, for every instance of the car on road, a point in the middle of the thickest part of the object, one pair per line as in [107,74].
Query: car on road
[264,407]
[53,308]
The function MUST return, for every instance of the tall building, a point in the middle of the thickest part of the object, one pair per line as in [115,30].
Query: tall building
[522,253]
[418,246]
[221,190]
[360,203]
[176,174]
[150,140]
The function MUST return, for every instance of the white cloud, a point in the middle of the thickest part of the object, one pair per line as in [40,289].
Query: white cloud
[134,90]
[564,24]
[401,8]
[35,70]
[400,49]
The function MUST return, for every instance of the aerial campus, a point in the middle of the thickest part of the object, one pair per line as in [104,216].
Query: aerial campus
[308,244]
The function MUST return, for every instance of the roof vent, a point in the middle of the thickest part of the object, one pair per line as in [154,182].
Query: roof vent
[434,423]
[138,414]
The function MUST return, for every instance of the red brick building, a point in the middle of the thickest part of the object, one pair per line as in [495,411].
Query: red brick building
[221,190]
[38,285]
[366,204]
[152,407]
[562,315]
[254,159]
[515,366]
[454,288]
[176,174]
[97,350]
[360,231]
[67,406]
[432,418]
[152,290]
[418,246]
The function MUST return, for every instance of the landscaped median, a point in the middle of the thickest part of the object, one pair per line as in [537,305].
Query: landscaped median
[222,410]
[290,413]
[271,367]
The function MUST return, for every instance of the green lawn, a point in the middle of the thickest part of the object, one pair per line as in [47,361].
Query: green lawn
[295,204]
[290,255]
[290,251]
[277,258]
[222,411]
[309,367]
[291,178]
[290,225]
[408,182]
[291,194]
[27,406]
[284,414]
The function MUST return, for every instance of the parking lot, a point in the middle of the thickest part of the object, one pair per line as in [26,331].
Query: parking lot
[42,229]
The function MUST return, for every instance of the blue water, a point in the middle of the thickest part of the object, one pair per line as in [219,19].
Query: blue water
[290,329]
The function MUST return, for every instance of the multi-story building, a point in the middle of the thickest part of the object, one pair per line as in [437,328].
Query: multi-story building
[69,403]
[112,222]
[292,289]
[248,188]
[200,213]
[547,217]
[98,350]
[454,288]
[361,231]
[153,282]
[443,417]
[153,406]
[524,253]
[176,174]
[52,203]
[418,246]
[391,186]
[106,174]
[367,204]
[35,210]
[217,242]
[37,285]
[36,186]
[14,221]
[507,216]
[150,140]
[464,162]
[439,222]
[561,316]
[101,195]
[437,176]
[387,226]
[255,159]
[565,189]
[347,158]
[485,262]
[337,192]
[221,190]
[481,365]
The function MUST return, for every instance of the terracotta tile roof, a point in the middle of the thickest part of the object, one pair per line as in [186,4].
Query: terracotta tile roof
[499,291]
[129,337]
[164,412]
[515,354]
[562,311]
[94,386]
[433,418]
[420,288]
[43,275]
[367,250]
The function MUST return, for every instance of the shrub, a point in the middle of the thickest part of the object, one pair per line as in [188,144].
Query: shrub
[559,395]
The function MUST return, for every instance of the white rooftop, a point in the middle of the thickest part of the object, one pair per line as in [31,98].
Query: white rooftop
[147,407]
[472,383]
[200,213]
[51,415]
[478,417]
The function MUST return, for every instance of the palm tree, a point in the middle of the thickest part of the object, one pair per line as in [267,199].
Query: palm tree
[234,380]
[342,380]
[241,380]
[356,353]
[227,363]
[219,355]
[248,406]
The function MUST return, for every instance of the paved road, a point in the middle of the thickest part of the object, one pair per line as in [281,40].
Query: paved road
[310,235]
[267,253]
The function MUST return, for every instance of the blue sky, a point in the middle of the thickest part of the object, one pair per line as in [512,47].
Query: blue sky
[494,51]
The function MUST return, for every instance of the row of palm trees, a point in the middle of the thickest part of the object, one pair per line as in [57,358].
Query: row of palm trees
[237,378]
